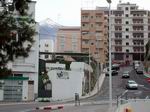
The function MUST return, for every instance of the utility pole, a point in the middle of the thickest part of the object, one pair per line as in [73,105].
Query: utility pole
[110,63]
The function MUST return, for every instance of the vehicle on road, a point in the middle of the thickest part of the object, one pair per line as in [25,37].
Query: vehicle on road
[113,72]
[131,84]
[136,66]
[125,74]
[115,67]
[139,70]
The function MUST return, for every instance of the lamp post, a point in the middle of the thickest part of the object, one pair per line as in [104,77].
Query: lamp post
[110,63]
[89,70]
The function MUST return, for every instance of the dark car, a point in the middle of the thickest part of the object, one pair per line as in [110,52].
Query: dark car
[113,72]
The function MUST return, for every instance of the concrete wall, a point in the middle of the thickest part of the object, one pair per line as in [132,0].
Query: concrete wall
[1,95]
[25,91]
[65,86]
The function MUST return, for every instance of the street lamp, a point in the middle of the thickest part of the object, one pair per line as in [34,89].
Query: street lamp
[89,70]
[110,64]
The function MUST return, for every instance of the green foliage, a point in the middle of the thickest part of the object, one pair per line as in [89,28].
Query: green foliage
[147,54]
[16,33]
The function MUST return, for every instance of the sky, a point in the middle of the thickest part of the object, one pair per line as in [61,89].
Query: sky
[67,12]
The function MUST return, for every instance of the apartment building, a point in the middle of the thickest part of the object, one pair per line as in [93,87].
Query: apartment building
[68,39]
[94,34]
[129,32]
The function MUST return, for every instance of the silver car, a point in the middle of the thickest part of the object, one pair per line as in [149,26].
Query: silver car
[131,84]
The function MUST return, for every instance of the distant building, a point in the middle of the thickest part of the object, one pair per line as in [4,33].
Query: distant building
[129,32]
[68,39]
[46,45]
[94,34]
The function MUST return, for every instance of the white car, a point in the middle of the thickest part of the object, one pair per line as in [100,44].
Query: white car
[131,84]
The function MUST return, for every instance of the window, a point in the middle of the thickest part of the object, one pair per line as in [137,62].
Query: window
[92,43]
[46,56]
[127,36]
[127,8]
[46,45]
[127,43]
[127,15]
[127,29]
[127,22]
[127,50]
[127,56]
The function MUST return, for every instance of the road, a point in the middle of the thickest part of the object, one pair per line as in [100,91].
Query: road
[90,104]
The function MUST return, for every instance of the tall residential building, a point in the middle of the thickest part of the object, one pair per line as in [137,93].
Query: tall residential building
[68,39]
[94,34]
[129,32]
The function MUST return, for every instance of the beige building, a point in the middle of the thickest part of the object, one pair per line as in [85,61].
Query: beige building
[94,34]
[68,39]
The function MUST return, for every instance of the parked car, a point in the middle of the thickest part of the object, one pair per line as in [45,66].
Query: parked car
[136,66]
[131,84]
[125,74]
[139,70]
[113,72]
[115,67]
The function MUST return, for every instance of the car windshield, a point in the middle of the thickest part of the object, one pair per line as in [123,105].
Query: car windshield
[132,82]
[125,73]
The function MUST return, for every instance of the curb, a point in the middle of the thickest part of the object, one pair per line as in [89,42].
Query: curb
[51,107]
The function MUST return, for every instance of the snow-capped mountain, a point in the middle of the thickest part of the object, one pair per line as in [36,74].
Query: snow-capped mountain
[48,29]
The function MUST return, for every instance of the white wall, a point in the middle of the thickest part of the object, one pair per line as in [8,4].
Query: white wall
[1,95]
[29,66]
[55,66]
[65,88]
[25,91]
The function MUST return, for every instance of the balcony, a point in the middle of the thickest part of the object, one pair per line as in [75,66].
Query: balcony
[85,28]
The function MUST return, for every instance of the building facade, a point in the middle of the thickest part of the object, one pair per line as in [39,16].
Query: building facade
[94,34]
[46,45]
[23,83]
[68,39]
[129,32]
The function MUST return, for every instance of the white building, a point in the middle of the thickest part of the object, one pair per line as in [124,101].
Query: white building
[23,85]
[129,32]
[46,45]
[65,84]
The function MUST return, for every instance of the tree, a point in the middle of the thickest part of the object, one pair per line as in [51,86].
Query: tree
[16,32]
[147,54]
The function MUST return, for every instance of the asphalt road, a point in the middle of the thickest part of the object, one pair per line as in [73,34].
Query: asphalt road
[119,86]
